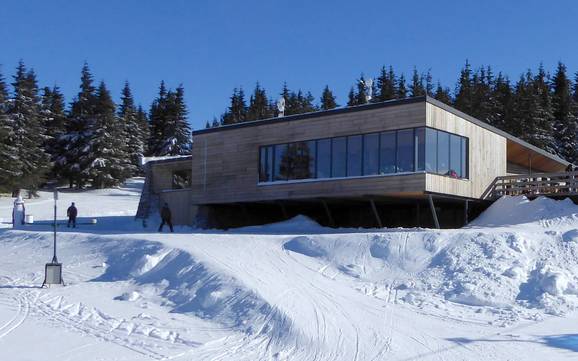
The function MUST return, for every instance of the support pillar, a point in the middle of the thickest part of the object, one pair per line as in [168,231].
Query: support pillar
[375,213]
[466,212]
[417,215]
[328,213]
[283,210]
[433,211]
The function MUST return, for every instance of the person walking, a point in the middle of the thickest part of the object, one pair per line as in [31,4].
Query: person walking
[18,213]
[71,213]
[166,217]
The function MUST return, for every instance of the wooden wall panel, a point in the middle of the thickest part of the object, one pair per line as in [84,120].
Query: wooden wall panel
[227,161]
[487,155]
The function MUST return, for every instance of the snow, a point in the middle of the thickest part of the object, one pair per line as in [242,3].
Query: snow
[503,288]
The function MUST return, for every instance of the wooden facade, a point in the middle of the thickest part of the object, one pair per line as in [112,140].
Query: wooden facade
[226,159]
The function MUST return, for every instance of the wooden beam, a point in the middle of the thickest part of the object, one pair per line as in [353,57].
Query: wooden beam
[433,211]
[375,213]
[328,213]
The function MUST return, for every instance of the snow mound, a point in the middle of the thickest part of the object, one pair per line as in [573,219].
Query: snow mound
[297,224]
[520,210]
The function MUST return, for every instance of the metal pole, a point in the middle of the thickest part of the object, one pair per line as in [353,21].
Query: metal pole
[54,259]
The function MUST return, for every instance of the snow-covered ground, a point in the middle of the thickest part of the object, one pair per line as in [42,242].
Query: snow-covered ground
[504,288]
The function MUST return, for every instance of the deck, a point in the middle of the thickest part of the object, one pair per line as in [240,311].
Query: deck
[556,185]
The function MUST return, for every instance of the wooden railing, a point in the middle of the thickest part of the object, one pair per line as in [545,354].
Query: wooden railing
[535,184]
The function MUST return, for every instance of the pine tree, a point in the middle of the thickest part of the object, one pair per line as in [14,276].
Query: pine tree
[24,110]
[75,161]
[179,140]
[351,98]
[237,111]
[416,88]
[502,111]
[361,93]
[386,85]
[464,92]
[107,146]
[10,169]
[401,88]
[158,122]
[327,99]
[443,94]
[133,132]
[482,95]
[259,105]
[564,114]
[54,121]
[143,123]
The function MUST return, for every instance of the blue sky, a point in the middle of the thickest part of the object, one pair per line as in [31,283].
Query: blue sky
[213,46]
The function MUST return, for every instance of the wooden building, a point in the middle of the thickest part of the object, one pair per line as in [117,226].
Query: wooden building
[410,162]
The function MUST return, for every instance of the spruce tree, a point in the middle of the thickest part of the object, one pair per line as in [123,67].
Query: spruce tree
[564,114]
[502,111]
[443,94]
[464,93]
[386,85]
[327,99]
[237,111]
[143,123]
[179,140]
[10,168]
[109,161]
[259,105]
[158,122]
[54,120]
[133,132]
[75,161]
[24,112]
[351,98]
[361,93]
[401,87]
[416,88]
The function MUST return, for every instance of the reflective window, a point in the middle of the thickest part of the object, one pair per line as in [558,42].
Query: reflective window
[455,156]
[354,155]
[387,153]
[182,179]
[338,157]
[300,159]
[324,158]
[443,153]
[405,151]
[398,151]
[280,164]
[431,146]
[371,154]
[420,149]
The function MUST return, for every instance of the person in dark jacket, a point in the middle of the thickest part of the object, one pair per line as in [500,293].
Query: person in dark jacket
[72,212]
[166,217]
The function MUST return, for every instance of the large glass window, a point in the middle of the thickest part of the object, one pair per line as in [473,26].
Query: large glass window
[266,164]
[420,149]
[443,153]
[338,157]
[431,146]
[371,154]
[405,151]
[281,169]
[387,153]
[182,179]
[354,155]
[455,156]
[324,158]
[398,151]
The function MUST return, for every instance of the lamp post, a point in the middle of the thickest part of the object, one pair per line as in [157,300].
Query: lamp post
[53,270]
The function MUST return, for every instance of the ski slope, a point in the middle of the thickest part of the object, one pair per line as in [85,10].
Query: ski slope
[503,288]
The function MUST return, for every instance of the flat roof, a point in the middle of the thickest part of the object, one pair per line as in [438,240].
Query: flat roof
[385,104]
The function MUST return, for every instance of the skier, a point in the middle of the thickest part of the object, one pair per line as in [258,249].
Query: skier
[18,213]
[72,212]
[166,217]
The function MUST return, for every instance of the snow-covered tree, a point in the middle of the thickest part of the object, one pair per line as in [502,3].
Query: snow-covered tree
[135,136]
[28,132]
[9,164]
[327,99]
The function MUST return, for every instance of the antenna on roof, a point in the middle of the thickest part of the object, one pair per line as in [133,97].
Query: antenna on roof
[281,107]
[368,85]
